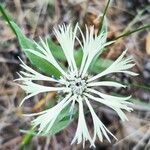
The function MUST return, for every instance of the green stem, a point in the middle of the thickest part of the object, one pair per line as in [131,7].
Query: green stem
[133,31]
[27,138]
[102,20]
[7,18]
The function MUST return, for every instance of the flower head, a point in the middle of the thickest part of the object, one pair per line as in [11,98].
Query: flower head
[76,85]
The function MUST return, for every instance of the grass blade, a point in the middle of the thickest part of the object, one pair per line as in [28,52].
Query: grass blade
[127,33]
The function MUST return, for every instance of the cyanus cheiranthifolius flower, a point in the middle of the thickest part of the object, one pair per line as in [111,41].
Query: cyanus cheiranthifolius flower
[76,85]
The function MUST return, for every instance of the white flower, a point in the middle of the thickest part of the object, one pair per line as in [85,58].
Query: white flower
[76,84]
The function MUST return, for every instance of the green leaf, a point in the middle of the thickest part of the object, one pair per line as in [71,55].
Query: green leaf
[104,28]
[78,56]
[6,17]
[43,65]
[40,63]
[56,50]
[59,126]
[63,120]
[26,43]
[27,138]
[100,64]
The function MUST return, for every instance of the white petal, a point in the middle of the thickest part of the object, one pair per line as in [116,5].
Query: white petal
[105,83]
[72,105]
[99,127]
[47,119]
[130,73]
[91,56]
[92,46]
[35,114]
[121,114]
[31,87]
[82,133]
[120,65]
[31,74]
[27,97]
[34,89]
[113,99]
[66,37]
[45,53]
[108,97]
[115,105]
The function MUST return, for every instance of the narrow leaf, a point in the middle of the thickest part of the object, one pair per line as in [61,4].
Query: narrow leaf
[101,26]
[26,43]
[127,33]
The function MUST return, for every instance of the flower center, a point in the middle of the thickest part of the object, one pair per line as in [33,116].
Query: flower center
[74,83]
[77,86]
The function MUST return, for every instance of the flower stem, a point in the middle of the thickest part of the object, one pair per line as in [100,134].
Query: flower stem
[102,19]
[127,33]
